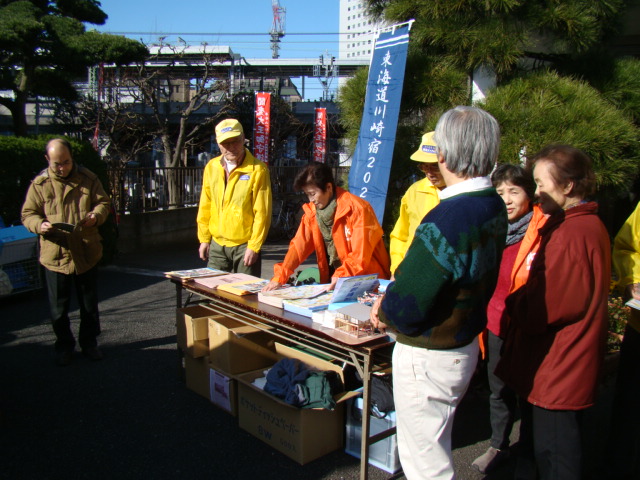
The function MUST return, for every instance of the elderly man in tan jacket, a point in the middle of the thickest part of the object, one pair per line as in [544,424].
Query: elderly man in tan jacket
[64,205]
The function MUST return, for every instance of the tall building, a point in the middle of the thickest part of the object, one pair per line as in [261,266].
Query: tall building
[357,31]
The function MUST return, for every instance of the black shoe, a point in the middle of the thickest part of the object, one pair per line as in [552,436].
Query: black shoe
[65,358]
[92,353]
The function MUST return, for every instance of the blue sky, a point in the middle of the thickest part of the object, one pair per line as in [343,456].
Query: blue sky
[147,20]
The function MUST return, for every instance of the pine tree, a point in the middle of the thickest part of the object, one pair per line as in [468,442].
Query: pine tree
[44,47]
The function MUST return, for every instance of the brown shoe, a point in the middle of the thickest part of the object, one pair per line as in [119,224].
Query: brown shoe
[92,353]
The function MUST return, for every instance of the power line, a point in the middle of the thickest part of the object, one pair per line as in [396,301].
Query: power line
[218,34]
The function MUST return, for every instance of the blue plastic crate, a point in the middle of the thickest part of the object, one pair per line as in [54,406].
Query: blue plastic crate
[17,244]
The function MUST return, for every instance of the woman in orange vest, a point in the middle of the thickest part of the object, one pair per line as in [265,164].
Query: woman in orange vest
[516,187]
[341,228]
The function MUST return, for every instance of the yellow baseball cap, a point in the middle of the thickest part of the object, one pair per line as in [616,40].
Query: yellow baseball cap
[227,129]
[427,150]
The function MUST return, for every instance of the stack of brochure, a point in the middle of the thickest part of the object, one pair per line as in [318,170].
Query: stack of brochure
[347,289]
[275,297]
[306,306]
[244,287]
[194,274]
[236,283]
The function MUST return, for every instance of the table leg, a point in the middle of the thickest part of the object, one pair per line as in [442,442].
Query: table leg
[366,407]
[178,295]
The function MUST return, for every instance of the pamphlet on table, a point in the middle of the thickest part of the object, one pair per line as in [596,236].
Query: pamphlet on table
[226,279]
[246,287]
[347,289]
[275,297]
[194,274]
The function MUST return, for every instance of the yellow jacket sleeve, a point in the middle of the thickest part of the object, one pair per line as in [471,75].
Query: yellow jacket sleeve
[626,250]
[418,200]
[399,239]
[261,210]
[204,207]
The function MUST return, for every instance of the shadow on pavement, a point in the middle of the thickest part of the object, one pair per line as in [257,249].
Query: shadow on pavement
[129,416]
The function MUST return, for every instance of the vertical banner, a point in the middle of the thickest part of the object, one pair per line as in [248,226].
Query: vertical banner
[369,174]
[262,126]
[320,135]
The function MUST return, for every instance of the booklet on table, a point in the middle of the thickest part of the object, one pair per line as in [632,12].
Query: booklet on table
[194,274]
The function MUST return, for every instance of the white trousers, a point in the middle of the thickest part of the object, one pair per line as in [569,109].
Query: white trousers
[427,387]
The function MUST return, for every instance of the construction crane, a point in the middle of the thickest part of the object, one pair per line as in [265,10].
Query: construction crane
[277,28]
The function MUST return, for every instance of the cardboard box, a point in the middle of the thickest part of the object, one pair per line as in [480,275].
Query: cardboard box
[192,330]
[301,434]
[382,454]
[197,375]
[235,347]
[223,391]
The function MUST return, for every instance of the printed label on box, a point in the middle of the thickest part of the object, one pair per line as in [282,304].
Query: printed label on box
[220,389]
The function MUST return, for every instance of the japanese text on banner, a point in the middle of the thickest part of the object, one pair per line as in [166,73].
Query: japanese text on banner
[369,174]
[262,126]
[320,135]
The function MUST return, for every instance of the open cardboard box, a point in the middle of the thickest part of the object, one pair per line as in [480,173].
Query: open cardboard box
[192,330]
[235,347]
[301,434]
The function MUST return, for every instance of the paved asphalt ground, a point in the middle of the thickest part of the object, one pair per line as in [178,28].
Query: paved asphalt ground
[130,417]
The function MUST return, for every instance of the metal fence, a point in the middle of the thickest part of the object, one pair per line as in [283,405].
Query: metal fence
[147,189]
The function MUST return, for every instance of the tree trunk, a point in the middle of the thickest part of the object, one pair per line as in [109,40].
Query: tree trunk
[19,115]
[173,187]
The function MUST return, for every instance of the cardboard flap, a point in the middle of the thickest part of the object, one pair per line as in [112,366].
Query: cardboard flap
[344,396]
[284,351]
[200,328]
[200,348]
[244,330]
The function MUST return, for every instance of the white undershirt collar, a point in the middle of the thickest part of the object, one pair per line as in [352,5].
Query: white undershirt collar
[472,185]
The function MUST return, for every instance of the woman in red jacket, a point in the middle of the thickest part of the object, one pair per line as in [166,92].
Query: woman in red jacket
[341,228]
[557,336]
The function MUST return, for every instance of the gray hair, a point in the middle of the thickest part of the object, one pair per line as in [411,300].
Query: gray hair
[469,140]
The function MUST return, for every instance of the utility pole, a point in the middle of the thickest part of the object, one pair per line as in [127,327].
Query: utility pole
[326,70]
[277,28]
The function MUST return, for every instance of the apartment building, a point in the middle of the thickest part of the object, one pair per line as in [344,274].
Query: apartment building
[357,31]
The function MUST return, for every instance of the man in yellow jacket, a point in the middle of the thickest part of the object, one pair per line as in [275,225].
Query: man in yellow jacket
[235,205]
[419,199]
[66,193]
